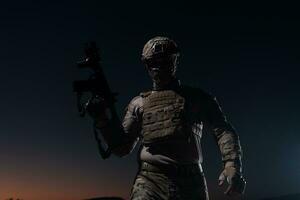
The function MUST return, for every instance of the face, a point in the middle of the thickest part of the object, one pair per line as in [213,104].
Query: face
[162,70]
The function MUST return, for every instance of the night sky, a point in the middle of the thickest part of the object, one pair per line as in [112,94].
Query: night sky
[246,55]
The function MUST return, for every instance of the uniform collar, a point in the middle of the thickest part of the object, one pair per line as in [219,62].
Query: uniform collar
[174,84]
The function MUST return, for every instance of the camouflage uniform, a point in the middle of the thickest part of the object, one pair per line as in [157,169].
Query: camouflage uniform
[168,121]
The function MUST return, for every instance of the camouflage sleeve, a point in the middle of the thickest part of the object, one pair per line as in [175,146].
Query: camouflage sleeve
[226,136]
[128,134]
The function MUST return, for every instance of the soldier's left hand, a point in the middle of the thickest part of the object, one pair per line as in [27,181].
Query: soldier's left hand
[236,182]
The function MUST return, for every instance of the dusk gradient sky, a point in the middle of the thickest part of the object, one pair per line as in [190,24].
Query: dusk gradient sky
[247,56]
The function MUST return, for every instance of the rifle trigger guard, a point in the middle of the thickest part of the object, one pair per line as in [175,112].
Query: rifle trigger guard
[80,107]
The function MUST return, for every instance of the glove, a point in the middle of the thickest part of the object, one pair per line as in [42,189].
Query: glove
[234,178]
[96,107]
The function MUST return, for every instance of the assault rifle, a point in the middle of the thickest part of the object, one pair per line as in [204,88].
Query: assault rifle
[97,86]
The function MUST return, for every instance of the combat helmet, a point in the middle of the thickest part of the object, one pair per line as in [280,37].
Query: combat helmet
[158,47]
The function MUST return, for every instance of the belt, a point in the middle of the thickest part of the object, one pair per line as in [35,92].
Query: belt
[185,169]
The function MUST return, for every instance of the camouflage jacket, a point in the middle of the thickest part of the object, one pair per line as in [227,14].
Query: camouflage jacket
[202,110]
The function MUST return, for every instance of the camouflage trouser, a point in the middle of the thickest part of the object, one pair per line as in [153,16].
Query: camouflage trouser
[159,186]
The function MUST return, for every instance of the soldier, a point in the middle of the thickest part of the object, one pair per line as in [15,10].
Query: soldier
[168,121]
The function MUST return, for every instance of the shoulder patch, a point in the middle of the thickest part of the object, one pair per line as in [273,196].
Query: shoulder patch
[134,104]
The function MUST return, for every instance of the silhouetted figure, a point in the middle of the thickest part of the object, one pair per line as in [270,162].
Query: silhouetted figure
[168,120]
[13,199]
